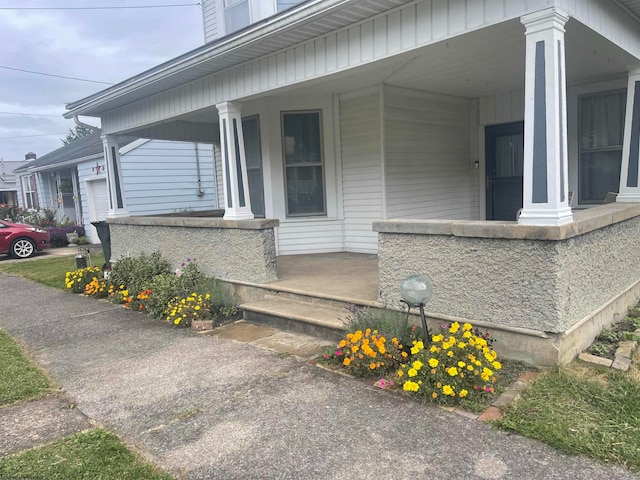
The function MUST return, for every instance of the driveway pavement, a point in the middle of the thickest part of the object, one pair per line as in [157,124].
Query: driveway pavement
[206,407]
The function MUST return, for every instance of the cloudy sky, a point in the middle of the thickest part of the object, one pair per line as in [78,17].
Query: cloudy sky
[102,45]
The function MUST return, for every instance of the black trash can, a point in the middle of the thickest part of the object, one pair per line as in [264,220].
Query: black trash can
[105,238]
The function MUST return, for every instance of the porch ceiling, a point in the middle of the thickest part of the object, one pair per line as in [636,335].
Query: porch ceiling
[484,62]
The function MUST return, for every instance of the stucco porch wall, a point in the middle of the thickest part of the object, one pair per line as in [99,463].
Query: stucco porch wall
[238,250]
[545,279]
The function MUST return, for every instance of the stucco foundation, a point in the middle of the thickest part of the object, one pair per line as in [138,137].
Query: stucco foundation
[546,290]
[239,250]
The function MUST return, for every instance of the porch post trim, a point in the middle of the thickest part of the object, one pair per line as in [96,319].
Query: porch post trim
[540,193]
[630,168]
[545,143]
[234,163]
[115,184]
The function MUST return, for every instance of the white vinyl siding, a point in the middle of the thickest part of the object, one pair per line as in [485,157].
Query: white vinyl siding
[217,153]
[506,107]
[309,236]
[211,21]
[429,171]
[362,182]
[161,177]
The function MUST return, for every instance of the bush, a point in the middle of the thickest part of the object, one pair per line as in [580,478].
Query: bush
[10,213]
[459,364]
[391,323]
[137,273]
[58,235]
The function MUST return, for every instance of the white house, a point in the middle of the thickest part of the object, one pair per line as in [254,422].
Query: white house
[160,177]
[406,127]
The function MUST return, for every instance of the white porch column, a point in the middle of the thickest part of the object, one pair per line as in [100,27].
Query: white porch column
[629,177]
[117,202]
[546,185]
[237,205]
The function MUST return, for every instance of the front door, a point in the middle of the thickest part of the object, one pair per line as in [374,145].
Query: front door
[504,149]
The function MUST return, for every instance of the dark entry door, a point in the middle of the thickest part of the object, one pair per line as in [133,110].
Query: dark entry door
[504,146]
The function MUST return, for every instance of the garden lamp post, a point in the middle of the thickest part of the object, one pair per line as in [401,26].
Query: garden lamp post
[416,291]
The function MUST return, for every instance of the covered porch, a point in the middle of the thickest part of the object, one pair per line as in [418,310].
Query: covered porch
[379,137]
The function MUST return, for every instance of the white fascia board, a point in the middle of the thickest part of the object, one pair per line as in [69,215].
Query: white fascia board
[252,35]
[67,163]
[133,145]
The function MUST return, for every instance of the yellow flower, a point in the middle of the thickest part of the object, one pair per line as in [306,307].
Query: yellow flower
[197,307]
[437,338]
[453,371]
[450,353]
[372,366]
[455,326]
[433,362]
[486,374]
[462,345]
[466,327]
[447,390]
[417,364]
[497,365]
[412,372]
[410,386]
[346,362]
[400,373]
[434,395]
[461,364]
[463,393]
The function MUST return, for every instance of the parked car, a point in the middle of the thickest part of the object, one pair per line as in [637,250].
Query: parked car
[22,241]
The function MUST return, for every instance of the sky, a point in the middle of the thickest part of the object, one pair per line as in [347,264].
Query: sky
[102,45]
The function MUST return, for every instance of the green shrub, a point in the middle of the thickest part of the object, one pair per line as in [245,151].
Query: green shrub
[137,273]
[391,323]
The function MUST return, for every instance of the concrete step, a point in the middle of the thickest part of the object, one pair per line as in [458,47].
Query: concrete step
[296,315]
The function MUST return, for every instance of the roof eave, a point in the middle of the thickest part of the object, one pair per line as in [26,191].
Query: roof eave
[90,106]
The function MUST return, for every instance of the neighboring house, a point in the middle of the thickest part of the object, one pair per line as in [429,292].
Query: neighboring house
[160,177]
[8,187]
[445,136]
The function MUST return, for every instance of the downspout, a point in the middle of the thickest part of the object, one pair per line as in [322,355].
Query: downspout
[81,124]
[200,188]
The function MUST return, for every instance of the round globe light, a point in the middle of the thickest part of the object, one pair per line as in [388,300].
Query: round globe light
[416,290]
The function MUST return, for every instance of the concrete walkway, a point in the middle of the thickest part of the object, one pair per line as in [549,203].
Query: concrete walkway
[206,407]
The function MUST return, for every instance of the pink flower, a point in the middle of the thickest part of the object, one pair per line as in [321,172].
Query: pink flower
[326,356]
[338,353]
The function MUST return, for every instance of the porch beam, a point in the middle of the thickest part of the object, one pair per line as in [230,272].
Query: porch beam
[545,187]
[115,183]
[237,205]
[630,168]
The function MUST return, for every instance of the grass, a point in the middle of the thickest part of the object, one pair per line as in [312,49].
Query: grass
[20,378]
[48,271]
[583,410]
[97,454]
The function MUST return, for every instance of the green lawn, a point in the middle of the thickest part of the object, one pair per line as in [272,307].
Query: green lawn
[20,378]
[48,271]
[97,454]
[583,410]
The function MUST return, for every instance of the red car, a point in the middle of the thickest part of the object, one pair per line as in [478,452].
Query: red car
[22,241]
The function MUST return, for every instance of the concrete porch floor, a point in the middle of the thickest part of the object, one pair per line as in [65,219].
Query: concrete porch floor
[343,275]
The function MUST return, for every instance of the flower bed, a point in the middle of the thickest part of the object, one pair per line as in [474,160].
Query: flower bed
[146,283]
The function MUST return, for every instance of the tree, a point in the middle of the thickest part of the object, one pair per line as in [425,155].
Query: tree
[76,133]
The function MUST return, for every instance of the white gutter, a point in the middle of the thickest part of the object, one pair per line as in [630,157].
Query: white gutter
[304,13]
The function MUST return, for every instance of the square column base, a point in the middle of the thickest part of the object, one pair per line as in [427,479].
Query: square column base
[545,217]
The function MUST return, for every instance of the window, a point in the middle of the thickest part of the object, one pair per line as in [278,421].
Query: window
[236,15]
[302,148]
[253,153]
[29,191]
[601,133]
[282,5]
